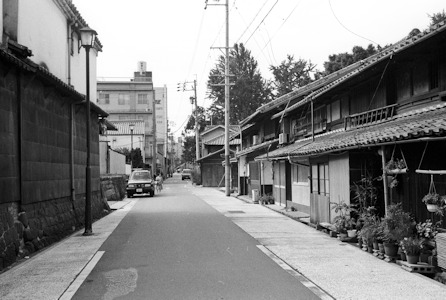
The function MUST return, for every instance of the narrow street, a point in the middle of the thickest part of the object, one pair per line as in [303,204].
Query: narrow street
[175,246]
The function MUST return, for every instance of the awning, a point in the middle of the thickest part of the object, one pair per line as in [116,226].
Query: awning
[418,124]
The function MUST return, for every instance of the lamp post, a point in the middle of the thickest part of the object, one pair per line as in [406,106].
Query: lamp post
[88,37]
[132,126]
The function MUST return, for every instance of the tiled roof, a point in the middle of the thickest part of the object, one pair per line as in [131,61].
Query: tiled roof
[220,141]
[426,122]
[386,53]
[124,127]
[28,65]
[256,147]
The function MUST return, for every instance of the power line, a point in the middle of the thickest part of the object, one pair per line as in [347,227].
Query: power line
[329,1]
[282,24]
[252,21]
[261,22]
[196,44]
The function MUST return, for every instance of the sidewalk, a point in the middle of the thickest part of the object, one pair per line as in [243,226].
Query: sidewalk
[342,270]
[50,274]
[337,269]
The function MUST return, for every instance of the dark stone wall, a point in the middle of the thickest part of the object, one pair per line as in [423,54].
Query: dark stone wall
[42,162]
[9,171]
[113,187]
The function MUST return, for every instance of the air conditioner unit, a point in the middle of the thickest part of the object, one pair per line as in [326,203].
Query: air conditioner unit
[283,138]
[255,139]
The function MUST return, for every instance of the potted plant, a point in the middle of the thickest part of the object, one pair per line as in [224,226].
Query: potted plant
[432,201]
[426,232]
[412,247]
[343,221]
[368,225]
[396,225]
[395,166]
[266,199]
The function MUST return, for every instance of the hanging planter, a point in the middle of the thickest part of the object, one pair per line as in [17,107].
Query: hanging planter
[432,207]
[395,165]
[432,199]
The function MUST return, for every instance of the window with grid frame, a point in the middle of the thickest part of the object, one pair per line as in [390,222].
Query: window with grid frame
[104,98]
[123,99]
[143,99]
[301,172]
[319,179]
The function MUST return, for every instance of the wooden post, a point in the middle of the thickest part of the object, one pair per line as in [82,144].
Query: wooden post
[385,183]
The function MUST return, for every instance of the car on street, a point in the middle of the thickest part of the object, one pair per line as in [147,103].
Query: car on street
[140,182]
[186,174]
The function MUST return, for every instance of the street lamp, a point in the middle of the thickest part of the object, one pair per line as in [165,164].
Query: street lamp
[132,126]
[88,37]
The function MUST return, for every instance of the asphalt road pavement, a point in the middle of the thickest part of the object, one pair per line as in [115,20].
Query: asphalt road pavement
[176,246]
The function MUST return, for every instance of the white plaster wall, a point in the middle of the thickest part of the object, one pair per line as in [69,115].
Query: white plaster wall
[300,192]
[267,172]
[42,27]
[242,167]
[339,176]
[117,163]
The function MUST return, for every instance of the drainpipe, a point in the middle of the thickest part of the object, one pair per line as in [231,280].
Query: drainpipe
[20,137]
[384,176]
[69,46]
[312,120]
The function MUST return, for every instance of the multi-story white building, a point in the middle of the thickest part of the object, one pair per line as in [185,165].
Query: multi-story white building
[161,126]
[129,101]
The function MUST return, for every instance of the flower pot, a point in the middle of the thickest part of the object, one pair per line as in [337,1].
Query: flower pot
[342,235]
[424,257]
[403,256]
[381,247]
[432,207]
[351,233]
[390,249]
[412,259]
[375,245]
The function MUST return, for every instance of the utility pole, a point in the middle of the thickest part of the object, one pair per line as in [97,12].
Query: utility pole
[193,101]
[227,85]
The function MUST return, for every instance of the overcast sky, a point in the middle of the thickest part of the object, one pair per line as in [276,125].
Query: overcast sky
[175,37]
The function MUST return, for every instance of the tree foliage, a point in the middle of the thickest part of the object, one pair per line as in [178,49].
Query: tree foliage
[188,149]
[134,155]
[249,91]
[339,61]
[201,115]
[291,74]
[437,17]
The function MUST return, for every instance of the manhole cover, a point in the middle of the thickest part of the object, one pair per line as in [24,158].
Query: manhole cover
[236,212]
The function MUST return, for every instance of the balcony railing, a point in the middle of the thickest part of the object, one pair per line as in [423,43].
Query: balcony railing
[370,117]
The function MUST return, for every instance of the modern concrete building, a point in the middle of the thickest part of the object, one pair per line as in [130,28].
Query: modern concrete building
[161,127]
[132,101]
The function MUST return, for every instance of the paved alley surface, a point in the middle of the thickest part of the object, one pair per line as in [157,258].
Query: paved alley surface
[324,265]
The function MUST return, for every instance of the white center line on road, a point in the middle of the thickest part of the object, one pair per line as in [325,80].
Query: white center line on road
[75,285]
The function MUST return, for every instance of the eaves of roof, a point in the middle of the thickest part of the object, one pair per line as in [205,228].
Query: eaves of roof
[220,141]
[46,76]
[361,66]
[73,15]
[299,92]
[222,150]
[411,126]
[256,148]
